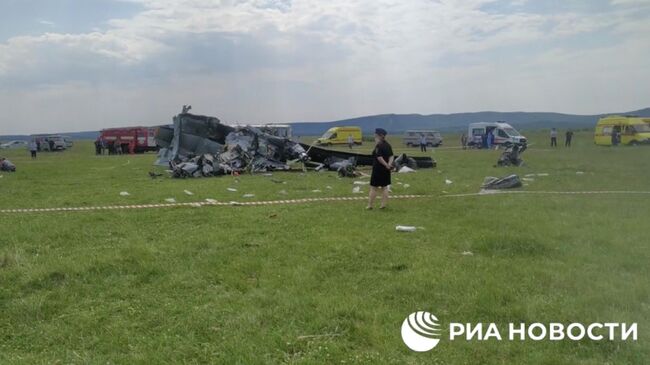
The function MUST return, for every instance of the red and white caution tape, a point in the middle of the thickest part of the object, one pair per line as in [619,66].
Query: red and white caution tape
[306,201]
[200,204]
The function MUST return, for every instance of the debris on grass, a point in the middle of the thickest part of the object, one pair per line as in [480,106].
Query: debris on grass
[188,192]
[406,186]
[448,182]
[316,191]
[248,195]
[496,183]
[356,190]
[405,170]
[282,192]
[361,182]
[124,193]
[467,253]
[232,189]
[580,172]
[405,228]
[170,200]
[211,201]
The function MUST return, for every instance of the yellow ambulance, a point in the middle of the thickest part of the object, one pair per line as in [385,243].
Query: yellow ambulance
[631,130]
[340,135]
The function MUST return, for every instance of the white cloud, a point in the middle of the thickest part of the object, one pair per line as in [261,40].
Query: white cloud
[296,59]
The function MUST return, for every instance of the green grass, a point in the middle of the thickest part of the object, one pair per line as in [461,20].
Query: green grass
[242,285]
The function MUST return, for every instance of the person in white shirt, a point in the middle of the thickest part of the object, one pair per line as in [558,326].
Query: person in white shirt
[553,137]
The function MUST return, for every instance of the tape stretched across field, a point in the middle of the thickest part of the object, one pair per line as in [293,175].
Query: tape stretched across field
[299,201]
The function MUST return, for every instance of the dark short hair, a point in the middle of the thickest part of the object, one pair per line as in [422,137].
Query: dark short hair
[381,132]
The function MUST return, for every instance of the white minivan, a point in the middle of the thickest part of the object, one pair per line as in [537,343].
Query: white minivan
[503,133]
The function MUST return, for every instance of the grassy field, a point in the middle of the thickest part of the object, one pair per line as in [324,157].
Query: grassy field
[320,283]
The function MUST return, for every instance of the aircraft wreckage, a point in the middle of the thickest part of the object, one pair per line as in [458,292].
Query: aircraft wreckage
[198,145]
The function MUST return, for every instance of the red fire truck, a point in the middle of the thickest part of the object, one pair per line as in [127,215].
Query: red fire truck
[130,139]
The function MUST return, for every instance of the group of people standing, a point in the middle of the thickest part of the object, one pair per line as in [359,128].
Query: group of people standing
[568,137]
[115,147]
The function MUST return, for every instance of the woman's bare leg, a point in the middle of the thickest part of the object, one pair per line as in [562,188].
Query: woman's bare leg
[384,196]
[371,196]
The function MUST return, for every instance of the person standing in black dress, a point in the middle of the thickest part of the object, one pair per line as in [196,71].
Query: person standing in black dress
[381,168]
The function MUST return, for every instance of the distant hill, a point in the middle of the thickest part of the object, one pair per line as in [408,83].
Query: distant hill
[396,123]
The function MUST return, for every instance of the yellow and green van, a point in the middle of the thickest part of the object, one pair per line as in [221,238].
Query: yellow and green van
[340,135]
[633,130]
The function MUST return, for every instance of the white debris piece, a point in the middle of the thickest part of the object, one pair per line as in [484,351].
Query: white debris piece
[361,182]
[528,179]
[124,193]
[282,192]
[170,200]
[232,189]
[467,253]
[580,173]
[316,191]
[356,190]
[407,186]
[405,228]
[248,195]
[328,187]
[188,192]
[542,174]
[448,182]
[211,201]
[405,170]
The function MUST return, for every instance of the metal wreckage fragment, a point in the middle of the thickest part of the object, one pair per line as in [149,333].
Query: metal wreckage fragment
[198,145]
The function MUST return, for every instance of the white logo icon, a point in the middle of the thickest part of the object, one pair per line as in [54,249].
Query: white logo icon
[420,331]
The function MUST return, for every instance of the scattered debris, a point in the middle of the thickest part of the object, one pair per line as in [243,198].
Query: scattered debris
[124,193]
[316,191]
[405,228]
[406,186]
[361,183]
[188,192]
[512,154]
[495,183]
[467,253]
[356,190]
[344,167]
[328,187]
[580,173]
[405,170]
[282,192]
[211,201]
[6,165]
[448,182]
[170,200]
[232,189]
[405,161]
[248,195]
[542,174]
[528,179]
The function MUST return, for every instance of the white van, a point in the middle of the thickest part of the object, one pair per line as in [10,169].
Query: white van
[503,133]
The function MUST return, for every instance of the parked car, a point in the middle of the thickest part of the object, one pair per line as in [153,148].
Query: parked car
[50,142]
[412,138]
[13,145]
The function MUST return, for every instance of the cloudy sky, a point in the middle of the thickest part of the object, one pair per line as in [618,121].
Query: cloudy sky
[71,65]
